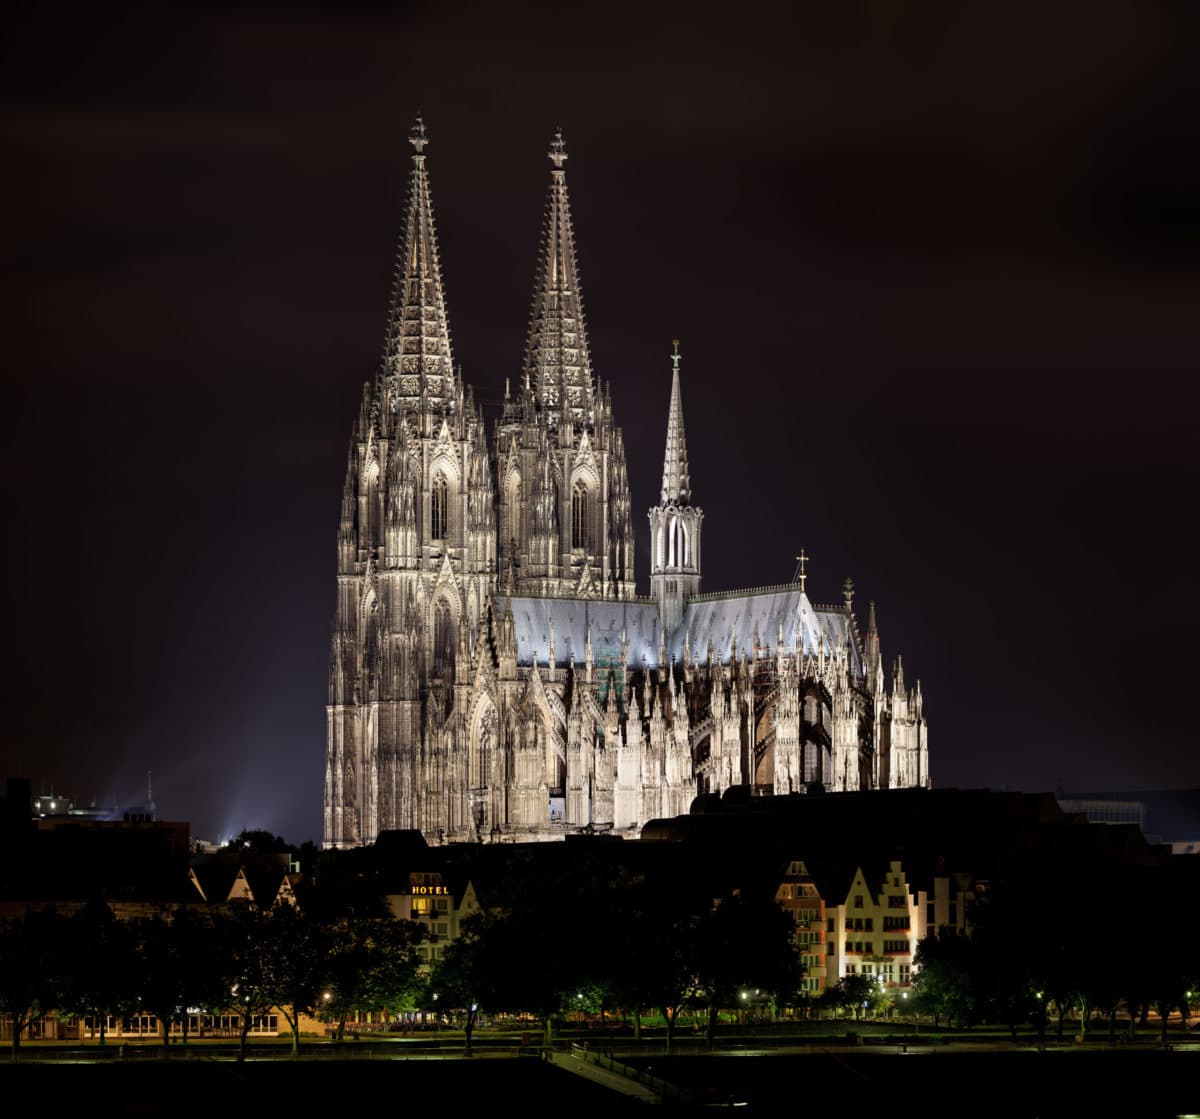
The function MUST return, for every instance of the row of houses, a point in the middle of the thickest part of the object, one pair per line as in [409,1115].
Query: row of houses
[870,925]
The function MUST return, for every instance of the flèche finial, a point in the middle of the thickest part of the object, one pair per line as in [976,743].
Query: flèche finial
[801,575]
[675,355]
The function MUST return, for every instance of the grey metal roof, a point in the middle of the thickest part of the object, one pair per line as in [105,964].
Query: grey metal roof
[765,612]
[740,615]
[532,618]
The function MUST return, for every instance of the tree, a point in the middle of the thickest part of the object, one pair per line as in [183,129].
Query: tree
[741,943]
[661,951]
[32,959]
[178,963]
[258,841]
[298,965]
[465,977]
[369,964]
[99,963]
[944,984]
[250,949]
[857,993]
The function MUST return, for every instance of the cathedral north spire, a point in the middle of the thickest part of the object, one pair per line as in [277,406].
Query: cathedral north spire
[676,483]
[417,359]
[558,367]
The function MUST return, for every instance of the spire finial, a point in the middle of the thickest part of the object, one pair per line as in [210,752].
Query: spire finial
[848,593]
[558,150]
[675,356]
[417,136]
[800,576]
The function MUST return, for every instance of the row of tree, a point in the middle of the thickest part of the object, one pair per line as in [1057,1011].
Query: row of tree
[596,937]
[242,961]
[1072,946]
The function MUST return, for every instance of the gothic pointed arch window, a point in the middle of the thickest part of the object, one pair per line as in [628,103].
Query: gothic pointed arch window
[513,530]
[439,507]
[579,516]
[443,637]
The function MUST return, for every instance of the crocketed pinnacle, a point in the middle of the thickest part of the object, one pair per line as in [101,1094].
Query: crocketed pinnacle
[417,347]
[676,483]
[557,365]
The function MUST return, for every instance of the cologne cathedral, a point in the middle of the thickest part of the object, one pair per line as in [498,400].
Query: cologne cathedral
[493,674]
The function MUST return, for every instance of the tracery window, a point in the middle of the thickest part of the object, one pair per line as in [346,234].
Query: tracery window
[438,509]
[579,517]
[443,638]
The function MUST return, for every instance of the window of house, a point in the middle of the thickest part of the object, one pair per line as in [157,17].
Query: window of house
[858,901]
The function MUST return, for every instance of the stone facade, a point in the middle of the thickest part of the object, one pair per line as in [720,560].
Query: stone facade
[493,675]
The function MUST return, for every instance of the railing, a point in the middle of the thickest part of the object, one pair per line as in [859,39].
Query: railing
[664,1089]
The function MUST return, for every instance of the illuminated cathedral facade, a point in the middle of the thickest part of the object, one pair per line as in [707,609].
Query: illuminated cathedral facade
[493,674]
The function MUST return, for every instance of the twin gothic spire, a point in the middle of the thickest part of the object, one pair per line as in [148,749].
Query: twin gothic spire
[416,354]
[558,368]
[417,357]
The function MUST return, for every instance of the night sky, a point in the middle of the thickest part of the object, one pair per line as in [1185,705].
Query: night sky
[934,273]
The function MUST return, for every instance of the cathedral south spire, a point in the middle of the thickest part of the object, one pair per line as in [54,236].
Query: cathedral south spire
[563,500]
[418,365]
[675,521]
[558,367]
